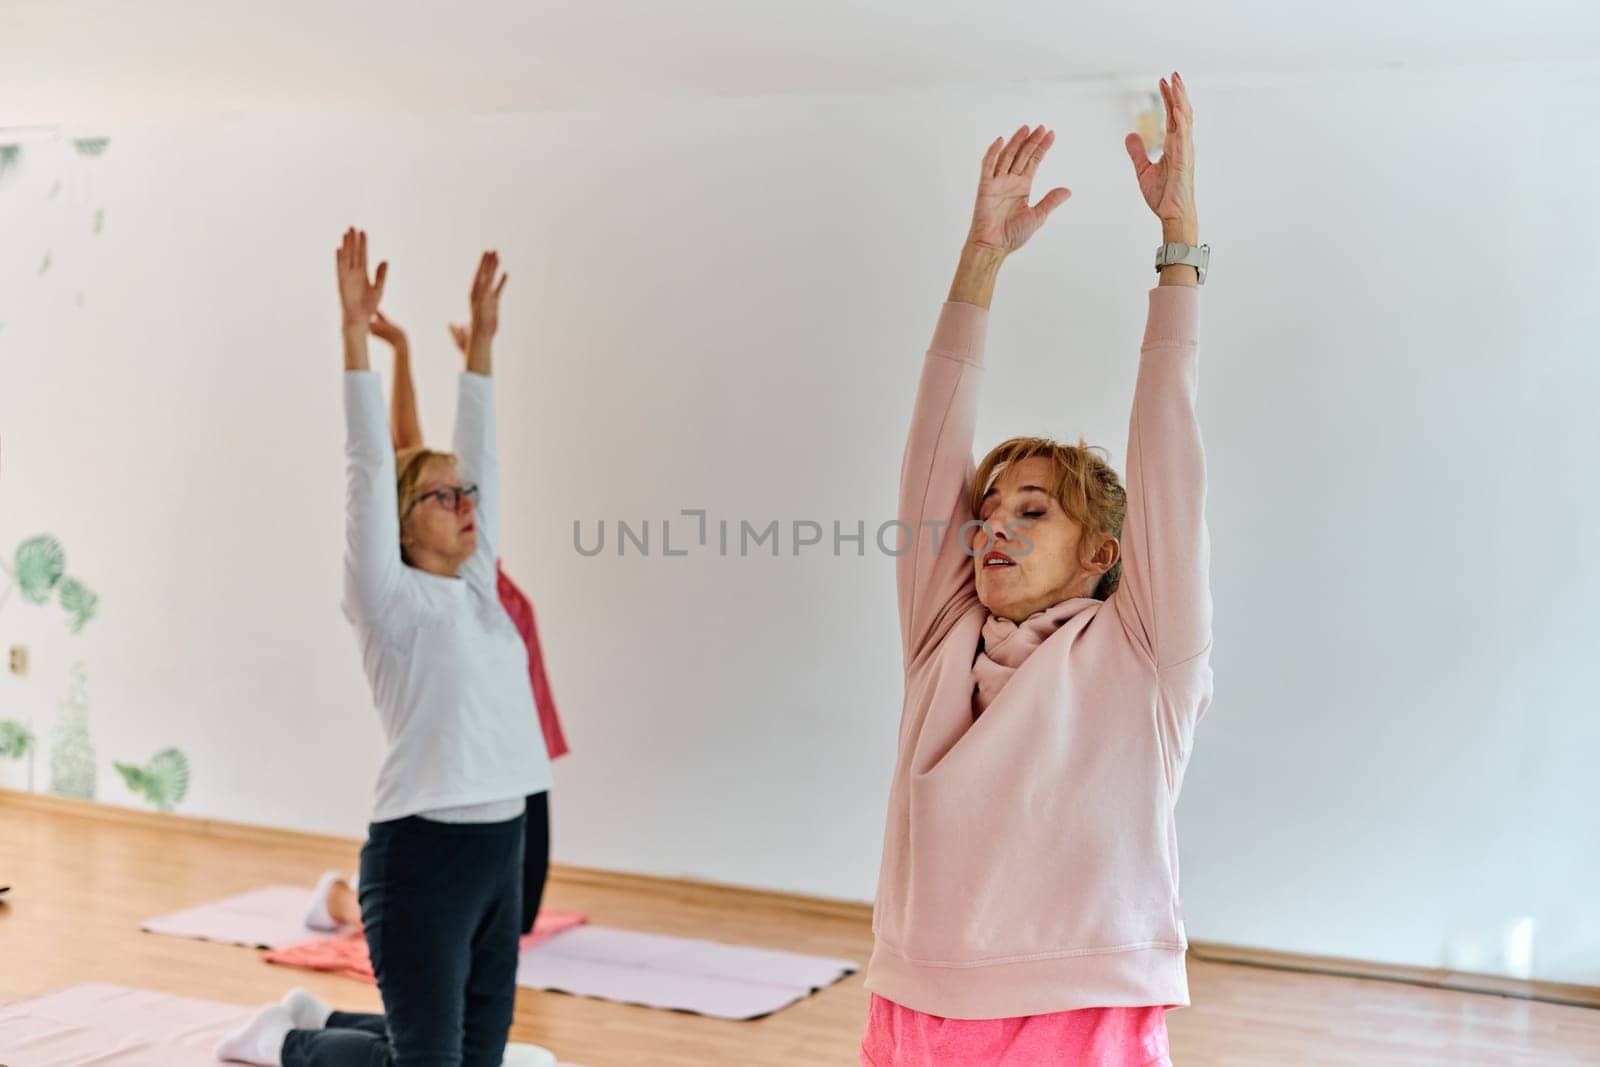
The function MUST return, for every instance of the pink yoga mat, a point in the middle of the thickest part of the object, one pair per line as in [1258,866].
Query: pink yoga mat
[681,974]
[97,1025]
[106,1024]
[347,954]
[262,918]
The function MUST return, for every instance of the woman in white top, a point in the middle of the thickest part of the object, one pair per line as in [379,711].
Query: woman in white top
[441,872]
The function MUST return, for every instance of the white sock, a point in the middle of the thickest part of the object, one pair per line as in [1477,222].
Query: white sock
[521,1055]
[306,1011]
[261,1040]
[317,916]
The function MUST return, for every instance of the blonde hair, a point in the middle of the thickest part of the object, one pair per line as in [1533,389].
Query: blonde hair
[1088,490]
[409,465]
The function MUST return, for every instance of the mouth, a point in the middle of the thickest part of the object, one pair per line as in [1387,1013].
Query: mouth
[469,527]
[997,560]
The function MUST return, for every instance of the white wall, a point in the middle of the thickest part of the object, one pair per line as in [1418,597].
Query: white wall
[722,304]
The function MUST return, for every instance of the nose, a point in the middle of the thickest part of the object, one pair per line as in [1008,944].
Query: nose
[464,504]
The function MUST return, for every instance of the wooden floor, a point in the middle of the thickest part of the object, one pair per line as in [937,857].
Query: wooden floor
[82,881]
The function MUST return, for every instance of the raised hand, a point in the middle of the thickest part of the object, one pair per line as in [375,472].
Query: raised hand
[384,329]
[358,297]
[485,298]
[1002,220]
[460,335]
[1168,185]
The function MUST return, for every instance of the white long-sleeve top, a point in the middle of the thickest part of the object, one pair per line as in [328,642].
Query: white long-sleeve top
[448,671]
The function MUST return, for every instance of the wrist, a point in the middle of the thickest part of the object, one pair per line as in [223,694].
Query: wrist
[976,272]
[978,254]
[1180,231]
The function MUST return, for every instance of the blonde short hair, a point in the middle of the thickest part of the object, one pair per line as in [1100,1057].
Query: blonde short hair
[409,465]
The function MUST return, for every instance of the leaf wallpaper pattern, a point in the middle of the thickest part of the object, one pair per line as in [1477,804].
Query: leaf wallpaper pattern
[53,220]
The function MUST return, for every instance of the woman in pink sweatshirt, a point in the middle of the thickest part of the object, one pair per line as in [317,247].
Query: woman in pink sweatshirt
[1057,637]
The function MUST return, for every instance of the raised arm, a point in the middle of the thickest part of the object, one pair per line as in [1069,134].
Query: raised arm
[372,564]
[405,426]
[933,575]
[1165,595]
[475,431]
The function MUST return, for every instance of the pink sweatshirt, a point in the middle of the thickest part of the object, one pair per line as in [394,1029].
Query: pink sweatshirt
[1030,860]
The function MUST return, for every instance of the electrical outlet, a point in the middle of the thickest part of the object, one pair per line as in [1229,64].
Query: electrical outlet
[19,660]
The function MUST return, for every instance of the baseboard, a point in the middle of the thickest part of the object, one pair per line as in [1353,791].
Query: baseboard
[845,910]
[566,874]
[1580,996]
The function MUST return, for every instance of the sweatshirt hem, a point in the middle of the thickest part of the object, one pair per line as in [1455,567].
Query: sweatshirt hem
[417,805]
[1150,974]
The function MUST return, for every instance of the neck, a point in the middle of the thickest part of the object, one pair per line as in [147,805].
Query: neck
[1073,590]
[434,563]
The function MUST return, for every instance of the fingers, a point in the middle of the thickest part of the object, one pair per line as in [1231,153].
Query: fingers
[485,275]
[1181,92]
[1029,150]
[991,156]
[1180,113]
[499,288]
[377,285]
[1052,200]
[1009,154]
[1137,152]
[1039,152]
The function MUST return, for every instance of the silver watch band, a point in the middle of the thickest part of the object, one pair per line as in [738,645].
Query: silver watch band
[1196,256]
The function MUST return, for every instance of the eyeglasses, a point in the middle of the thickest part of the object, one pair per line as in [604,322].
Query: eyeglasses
[449,497]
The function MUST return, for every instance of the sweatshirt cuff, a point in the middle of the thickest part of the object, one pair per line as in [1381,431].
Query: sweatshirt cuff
[1174,316]
[960,332]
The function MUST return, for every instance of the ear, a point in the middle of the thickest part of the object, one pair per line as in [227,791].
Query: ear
[1105,556]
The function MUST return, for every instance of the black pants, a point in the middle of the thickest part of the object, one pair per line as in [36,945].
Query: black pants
[440,903]
[535,858]
[364,1039]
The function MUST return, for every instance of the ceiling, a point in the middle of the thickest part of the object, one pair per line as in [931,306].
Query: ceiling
[85,60]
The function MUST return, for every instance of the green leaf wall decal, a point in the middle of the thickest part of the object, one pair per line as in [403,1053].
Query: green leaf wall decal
[79,603]
[163,781]
[40,563]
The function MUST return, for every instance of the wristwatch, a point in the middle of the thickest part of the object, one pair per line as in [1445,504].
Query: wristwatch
[1189,255]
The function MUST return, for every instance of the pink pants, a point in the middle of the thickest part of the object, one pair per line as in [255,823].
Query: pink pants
[1090,1037]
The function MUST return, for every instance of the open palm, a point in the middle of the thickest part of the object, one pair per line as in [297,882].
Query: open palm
[1168,184]
[358,296]
[485,296]
[1001,217]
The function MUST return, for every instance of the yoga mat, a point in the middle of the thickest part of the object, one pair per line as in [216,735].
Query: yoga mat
[262,918]
[681,974]
[347,954]
[95,1025]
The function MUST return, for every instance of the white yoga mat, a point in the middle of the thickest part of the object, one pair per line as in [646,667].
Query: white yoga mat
[96,1025]
[271,917]
[677,973]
